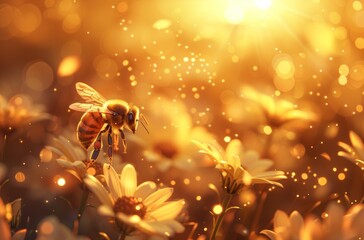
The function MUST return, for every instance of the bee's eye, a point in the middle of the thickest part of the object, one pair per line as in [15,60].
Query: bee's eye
[130,116]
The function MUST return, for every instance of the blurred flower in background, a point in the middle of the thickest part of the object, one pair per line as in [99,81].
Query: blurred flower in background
[19,112]
[355,152]
[279,113]
[336,224]
[50,228]
[275,82]
[169,142]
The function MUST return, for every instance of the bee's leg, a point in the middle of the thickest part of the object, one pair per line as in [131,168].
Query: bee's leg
[123,138]
[109,149]
[97,144]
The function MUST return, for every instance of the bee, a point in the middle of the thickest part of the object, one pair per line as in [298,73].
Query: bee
[101,116]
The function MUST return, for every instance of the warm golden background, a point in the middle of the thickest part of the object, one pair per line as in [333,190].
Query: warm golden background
[211,70]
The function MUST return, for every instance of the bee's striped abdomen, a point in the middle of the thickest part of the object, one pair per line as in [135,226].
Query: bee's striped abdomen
[90,125]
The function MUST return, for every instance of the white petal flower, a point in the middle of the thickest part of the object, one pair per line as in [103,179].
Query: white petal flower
[337,225]
[140,207]
[69,155]
[354,153]
[239,168]
[51,229]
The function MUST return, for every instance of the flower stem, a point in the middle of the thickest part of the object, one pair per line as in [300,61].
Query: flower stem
[121,235]
[267,145]
[3,149]
[84,198]
[225,205]
[258,211]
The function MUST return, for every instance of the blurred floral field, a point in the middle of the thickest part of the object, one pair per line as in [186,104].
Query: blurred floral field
[251,122]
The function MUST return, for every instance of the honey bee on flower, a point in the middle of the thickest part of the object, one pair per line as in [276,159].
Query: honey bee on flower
[70,156]
[104,116]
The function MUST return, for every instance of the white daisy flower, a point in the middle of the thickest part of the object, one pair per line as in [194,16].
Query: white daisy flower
[239,168]
[133,206]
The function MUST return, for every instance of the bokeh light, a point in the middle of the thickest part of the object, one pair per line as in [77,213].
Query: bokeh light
[271,89]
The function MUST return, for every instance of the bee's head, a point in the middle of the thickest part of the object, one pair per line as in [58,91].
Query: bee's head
[132,118]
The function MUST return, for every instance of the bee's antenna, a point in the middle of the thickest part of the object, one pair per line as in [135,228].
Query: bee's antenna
[144,127]
[146,121]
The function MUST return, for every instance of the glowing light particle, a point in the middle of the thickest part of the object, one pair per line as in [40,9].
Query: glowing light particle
[61,182]
[344,70]
[125,63]
[68,66]
[341,176]
[322,181]
[359,43]
[47,228]
[342,80]
[217,209]
[162,24]
[91,171]
[122,7]
[304,176]
[267,130]
[357,5]
[227,139]
[284,69]
[45,155]
[359,108]
[20,177]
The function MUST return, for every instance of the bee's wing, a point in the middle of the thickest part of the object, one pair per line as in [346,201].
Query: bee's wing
[84,107]
[89,94]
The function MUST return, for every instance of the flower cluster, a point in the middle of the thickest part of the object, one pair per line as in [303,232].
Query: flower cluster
[337,224]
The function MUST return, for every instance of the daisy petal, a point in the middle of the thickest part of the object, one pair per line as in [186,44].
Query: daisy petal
[297,222]
[280,221]
[168,227]
[112,181]
[158,197]
[106,210]
[128,180]
[145,189]
[98,189]
[208,149]
[233,151]
[336,213]
[136,222]
[270,234]
[19,235]
[174,225]
[169,210]
[357,144]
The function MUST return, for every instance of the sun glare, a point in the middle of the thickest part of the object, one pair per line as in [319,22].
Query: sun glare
[234,12]
[263,4]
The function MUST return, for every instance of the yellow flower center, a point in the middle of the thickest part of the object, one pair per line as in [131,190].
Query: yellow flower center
[130,206]
[166,149]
